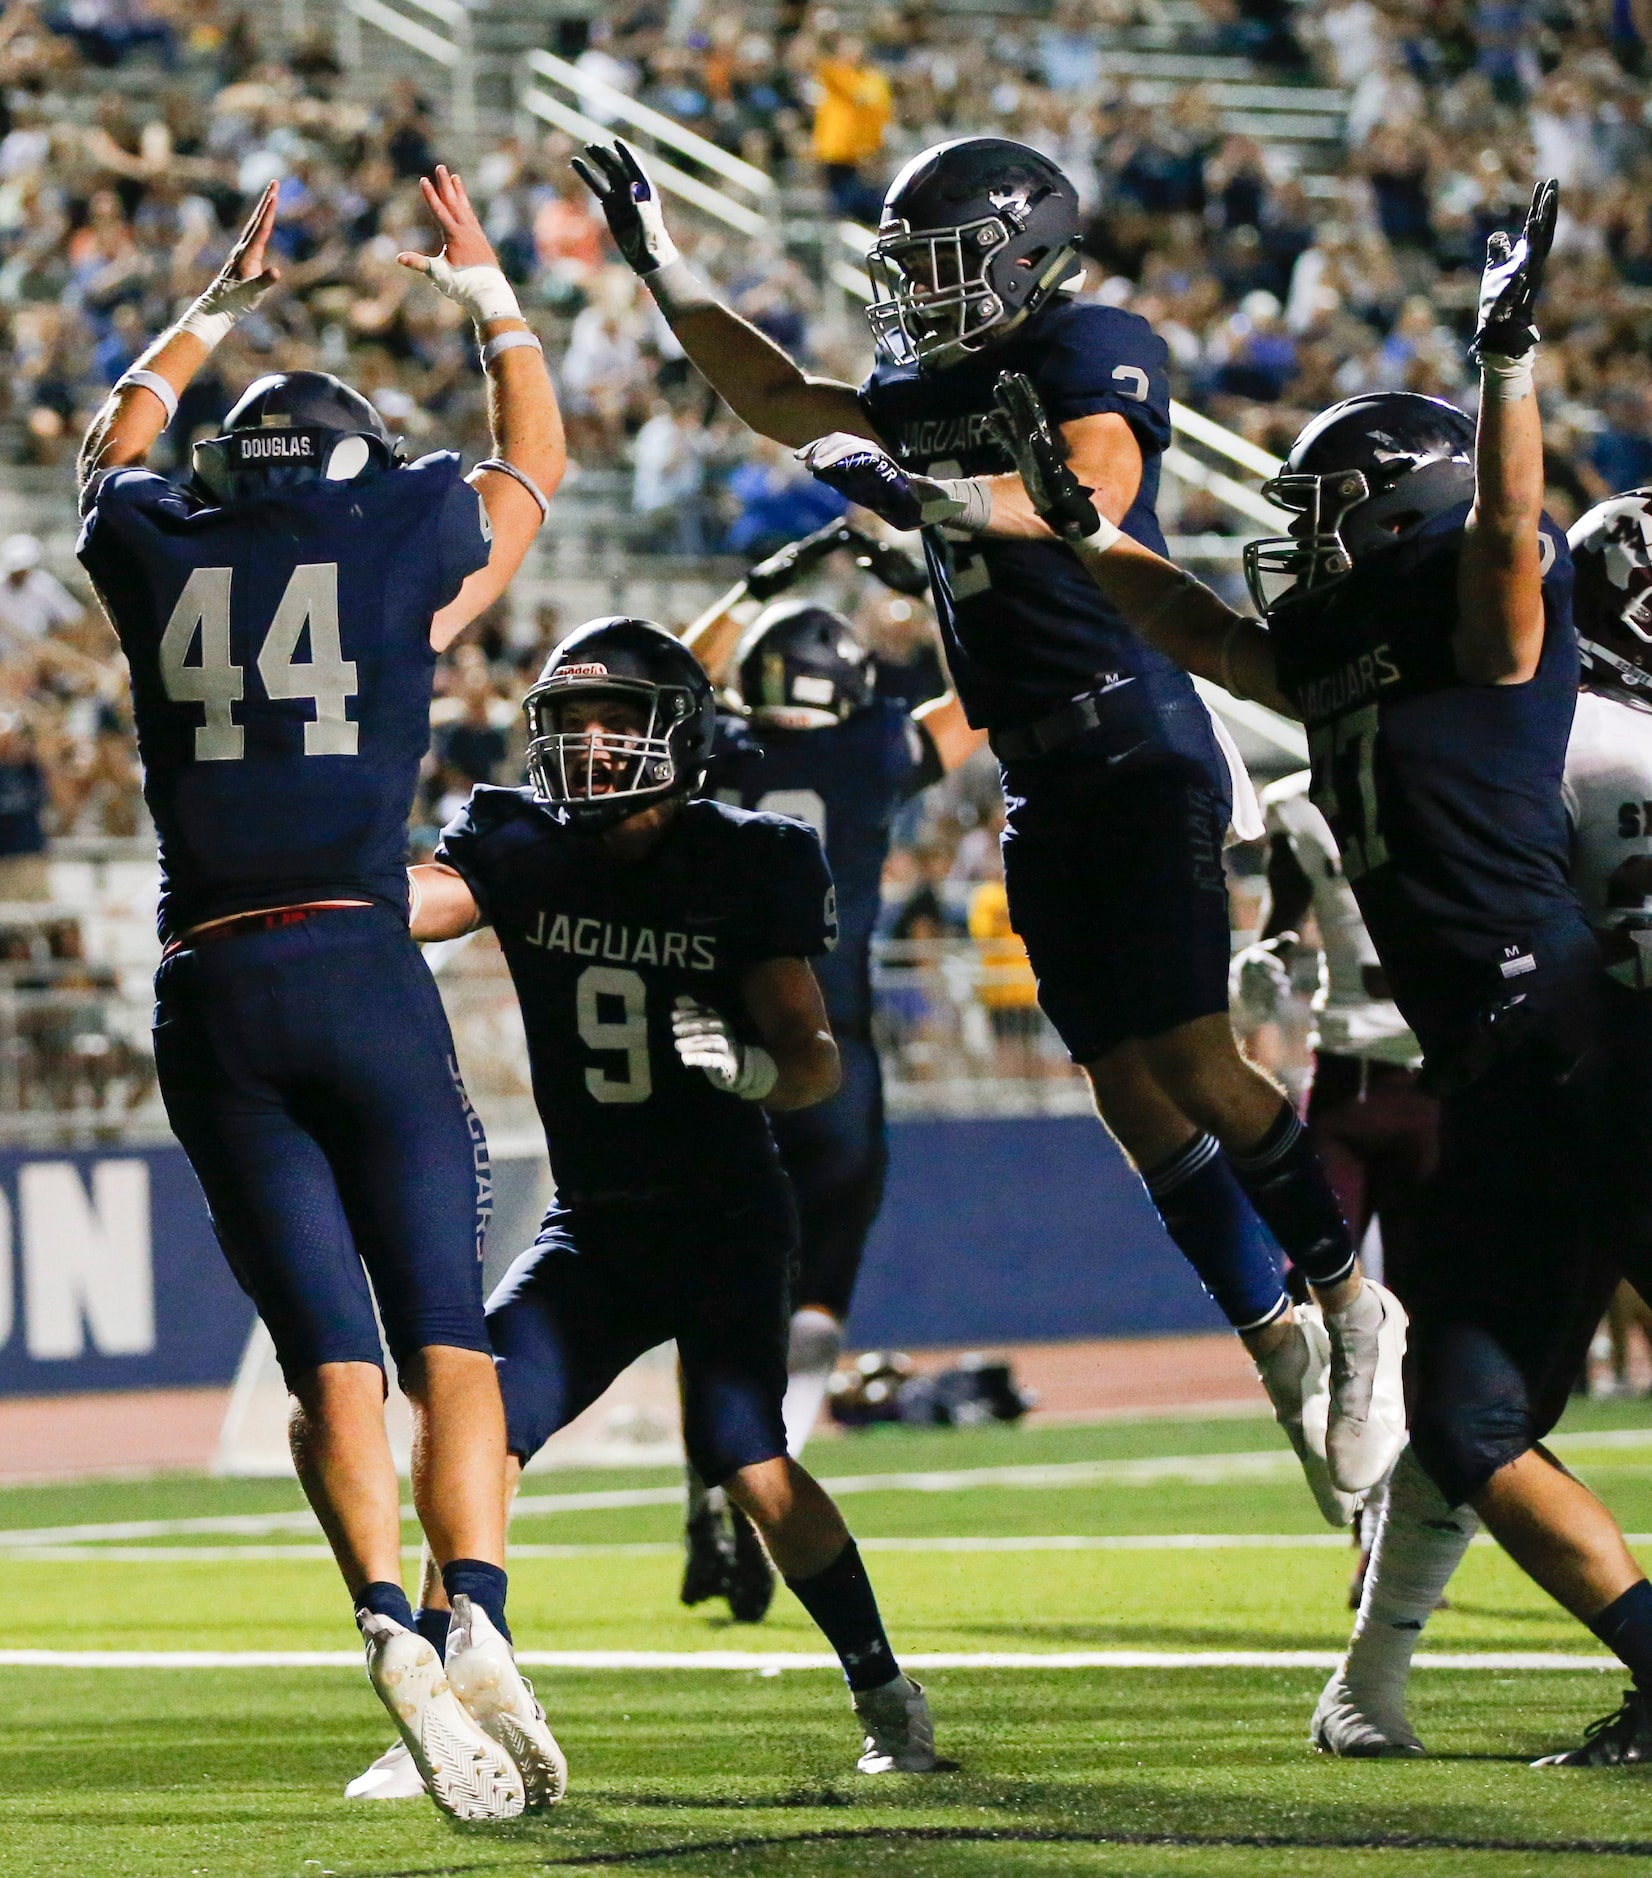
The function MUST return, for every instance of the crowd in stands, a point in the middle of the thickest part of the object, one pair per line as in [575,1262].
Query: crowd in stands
[133,133]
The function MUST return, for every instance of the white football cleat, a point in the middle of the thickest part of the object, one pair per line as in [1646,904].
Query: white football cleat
[393,1776]
[482,1669]
[1297,1377]
[900,1737]
[1366,1426]
[1360,1727]
[467,1774]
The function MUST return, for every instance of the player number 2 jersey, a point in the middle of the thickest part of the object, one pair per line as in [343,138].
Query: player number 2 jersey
[1026,628]
[281,674]
[600,950]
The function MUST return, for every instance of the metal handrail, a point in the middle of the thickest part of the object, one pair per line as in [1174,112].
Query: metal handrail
[455,54]
[663,129]
[714,202]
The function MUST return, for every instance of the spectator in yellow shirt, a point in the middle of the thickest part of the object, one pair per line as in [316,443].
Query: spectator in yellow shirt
[852,114]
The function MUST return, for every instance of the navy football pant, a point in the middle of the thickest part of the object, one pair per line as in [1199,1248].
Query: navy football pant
[1536,1210]
[310,1076]
[609,1279]
[836,1155]
[1114,879]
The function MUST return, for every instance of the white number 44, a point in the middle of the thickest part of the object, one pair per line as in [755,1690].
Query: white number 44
[326,677]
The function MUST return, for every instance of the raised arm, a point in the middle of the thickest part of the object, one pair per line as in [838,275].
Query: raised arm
[1499,638]
[1166,605]
[762,385]
[530,452]
[144,400]
[713,637]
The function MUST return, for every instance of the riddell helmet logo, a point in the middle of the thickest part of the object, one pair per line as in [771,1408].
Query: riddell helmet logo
[567,673]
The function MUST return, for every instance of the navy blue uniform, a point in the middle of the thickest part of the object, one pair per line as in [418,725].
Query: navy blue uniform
[1445,799]
[672,1216]
[1113,842]
[848,782]
[281,671]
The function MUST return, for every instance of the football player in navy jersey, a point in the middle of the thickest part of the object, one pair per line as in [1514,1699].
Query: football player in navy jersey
[660,951]
[814,741]
[1118,794]
[1425,637]
[281,613]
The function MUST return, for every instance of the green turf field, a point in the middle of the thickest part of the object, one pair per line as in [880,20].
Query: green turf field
[1198,1770]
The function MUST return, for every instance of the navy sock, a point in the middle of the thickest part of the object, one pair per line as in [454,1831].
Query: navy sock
[1205,1211]
[841,1602]
[433,1627]
[384,1599]
[1287,1186]
[482,1584]
[1625,1627]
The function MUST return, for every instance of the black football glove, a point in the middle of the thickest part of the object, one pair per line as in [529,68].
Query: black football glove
[789,564]
[1513,278]
[630,202]
[899,571]
[1040,453]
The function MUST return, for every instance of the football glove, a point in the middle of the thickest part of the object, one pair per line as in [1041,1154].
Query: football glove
[770,578]
[1259,978]
[1040,453]
[630,204]
[1513,277]
[897,569]
[706,1042]
[870,477]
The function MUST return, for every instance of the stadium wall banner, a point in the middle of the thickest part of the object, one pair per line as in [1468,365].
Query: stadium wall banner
[992,1231]
[1018,1230]
[110,1277]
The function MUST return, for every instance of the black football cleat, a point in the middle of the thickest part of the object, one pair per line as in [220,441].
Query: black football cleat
[709,1555]
[1623,1739]
[749,1585]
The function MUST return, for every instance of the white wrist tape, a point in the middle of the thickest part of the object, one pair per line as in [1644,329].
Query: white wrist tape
[483,292]
[677,289]
[1103,536]
[520,476]
[1504,380]
[212,329]
[508,342]
[758,1073]
[964,503]
[151,381]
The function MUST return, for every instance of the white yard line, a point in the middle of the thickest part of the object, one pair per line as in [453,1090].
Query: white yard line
[1192,1469]
[774,1662]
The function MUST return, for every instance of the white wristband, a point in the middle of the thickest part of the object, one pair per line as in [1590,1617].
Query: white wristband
[1103,536]
[677,289]
[507,342]
[963,503]
[758,1073]
[1504,380]
[151,381]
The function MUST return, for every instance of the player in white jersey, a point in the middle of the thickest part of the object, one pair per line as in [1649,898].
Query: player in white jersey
[1608,796]
[1373,1126]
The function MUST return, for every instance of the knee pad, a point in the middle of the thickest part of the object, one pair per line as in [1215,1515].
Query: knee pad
[1471,1410]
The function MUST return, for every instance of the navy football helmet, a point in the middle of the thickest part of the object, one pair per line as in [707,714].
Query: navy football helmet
[598,776]
[292,428]
[800,667]
[1612,599]
[976,235]
[1365,475]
